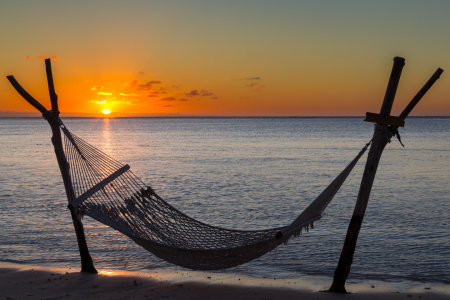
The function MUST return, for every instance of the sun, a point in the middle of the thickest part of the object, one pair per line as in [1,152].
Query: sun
[106,111]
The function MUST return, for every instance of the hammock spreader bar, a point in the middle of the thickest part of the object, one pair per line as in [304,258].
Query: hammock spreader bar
[98,186]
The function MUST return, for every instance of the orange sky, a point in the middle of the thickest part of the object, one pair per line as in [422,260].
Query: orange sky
[204,58]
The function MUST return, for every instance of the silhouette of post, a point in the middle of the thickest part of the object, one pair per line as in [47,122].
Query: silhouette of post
[87,264]
[380,140]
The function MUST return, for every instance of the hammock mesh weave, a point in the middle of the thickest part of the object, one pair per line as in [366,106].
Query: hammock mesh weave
[126,204]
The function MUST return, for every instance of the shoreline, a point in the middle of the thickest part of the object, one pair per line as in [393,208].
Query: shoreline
[36,282]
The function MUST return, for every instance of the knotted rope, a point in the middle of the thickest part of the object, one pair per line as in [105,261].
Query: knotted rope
[389,131]
[53,116]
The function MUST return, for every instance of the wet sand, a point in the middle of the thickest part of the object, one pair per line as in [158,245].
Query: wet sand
[28,282]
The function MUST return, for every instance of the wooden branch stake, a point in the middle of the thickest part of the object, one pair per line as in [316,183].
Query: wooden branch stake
[87,265]
[25,95]
[421,93]
[51,86]
[379,142]
[98,186]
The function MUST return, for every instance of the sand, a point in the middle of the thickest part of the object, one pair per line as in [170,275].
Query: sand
[28,282]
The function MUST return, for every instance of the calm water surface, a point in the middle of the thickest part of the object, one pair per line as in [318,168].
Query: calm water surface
[242,173]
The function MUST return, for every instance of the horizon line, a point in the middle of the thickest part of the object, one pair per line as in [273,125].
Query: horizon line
[211,116]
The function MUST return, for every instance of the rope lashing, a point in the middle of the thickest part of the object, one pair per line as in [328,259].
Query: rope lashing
[389,131]
[53,116]
[394,131]
[368,144]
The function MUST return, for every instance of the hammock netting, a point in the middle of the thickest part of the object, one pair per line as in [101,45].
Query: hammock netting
[107,191]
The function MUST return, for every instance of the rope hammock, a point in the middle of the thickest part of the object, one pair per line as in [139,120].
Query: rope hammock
[107,191]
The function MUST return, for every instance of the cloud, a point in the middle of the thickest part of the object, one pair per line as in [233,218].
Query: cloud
[104,93]
[129,95]
[169,99]
[150,74]
[123,101]
[206,93]
[98,87]
[168,105]
[148,86]
[183,99]
[215,98]
[152,95]
[133,83]
[113,100]
[141,73]
[43,57]
[249,78]
[193,93]
[177,87]
[255,86]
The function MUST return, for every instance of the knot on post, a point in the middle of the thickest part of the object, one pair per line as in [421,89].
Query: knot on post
[389,132]
[394,131]
[51,115]
[383,129]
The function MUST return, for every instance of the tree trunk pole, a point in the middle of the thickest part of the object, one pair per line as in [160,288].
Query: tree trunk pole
[421,93]
[378,144]
[87,265]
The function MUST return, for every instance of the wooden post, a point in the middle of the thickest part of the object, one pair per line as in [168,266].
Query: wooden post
[376,149]
[379,142]
[421,93]
[87,264]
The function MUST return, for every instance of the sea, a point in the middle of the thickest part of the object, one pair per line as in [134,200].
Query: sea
[242,173]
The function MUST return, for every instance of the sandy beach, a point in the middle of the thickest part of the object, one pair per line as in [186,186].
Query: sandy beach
[29,282]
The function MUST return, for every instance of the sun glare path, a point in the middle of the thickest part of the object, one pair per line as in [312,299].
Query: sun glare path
[106,111]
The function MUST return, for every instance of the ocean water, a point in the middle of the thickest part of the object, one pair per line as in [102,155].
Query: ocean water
[242,173]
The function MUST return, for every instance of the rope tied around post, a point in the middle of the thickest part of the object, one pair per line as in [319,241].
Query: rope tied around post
[389,131]
[51,115]
[394,131]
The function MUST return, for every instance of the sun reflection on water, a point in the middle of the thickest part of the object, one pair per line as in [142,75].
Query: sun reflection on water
[106,136]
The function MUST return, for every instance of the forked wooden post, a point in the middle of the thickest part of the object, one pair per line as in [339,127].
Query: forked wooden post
[380,140]
[87,265]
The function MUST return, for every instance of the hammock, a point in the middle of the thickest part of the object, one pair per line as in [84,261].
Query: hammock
[107,191]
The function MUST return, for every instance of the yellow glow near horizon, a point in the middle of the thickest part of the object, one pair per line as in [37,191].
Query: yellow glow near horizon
[106,111]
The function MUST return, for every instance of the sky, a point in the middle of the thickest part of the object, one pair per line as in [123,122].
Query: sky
[224,58]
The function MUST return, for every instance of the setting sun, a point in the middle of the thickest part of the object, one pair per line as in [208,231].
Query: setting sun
[106,111]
